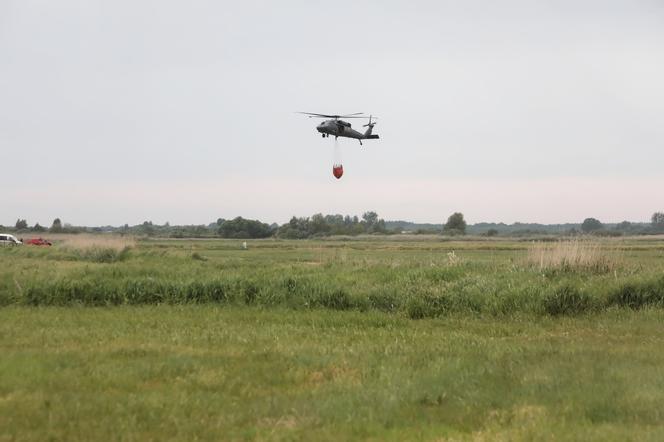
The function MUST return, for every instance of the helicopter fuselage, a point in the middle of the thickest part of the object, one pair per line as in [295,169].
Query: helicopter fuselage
[340,128]
[337,127]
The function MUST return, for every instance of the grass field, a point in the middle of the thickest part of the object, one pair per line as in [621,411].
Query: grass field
[334,339]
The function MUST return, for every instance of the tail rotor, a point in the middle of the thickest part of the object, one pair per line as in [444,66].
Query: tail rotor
[368,135]
[370,125]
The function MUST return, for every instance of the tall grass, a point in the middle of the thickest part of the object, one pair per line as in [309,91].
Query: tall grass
[97,248]
[86,242]
[576,255]
[561,279]
[207,373]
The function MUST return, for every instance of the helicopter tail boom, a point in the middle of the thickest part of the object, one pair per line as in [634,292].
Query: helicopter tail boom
[370,125]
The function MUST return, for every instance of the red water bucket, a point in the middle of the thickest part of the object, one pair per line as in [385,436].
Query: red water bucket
[337,171]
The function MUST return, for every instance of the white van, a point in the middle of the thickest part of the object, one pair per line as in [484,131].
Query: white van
[8,240]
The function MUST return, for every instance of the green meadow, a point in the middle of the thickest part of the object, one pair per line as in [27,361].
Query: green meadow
[398,338]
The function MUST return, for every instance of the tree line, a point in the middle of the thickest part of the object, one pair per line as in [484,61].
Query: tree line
[319,225]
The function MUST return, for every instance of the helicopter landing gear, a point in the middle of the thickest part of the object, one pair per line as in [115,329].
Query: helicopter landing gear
[323,135]
[359,141]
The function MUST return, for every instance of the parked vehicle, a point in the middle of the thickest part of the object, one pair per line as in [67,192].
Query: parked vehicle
[39,242]
[9,240]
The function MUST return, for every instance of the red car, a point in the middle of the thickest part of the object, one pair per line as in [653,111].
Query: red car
[38,242]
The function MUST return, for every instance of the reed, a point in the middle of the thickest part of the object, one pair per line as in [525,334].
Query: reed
[87,242]
[575,255]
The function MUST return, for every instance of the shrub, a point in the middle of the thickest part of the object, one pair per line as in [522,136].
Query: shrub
[639,294]
[291,285]
[385,300]
[590,225]
[250,293]
[241,228]
[103,254]
[455,224]
[428,306]
[417,309]
[336,299]
[130,292]
[566,300]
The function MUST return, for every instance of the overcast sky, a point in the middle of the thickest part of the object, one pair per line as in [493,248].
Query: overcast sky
[116,112]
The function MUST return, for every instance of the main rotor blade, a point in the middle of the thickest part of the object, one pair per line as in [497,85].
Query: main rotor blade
[318,115]
[359,115]
[333,116]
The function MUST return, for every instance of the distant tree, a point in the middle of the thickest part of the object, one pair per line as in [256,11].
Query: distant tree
[624,226]
[296,228]
[492,232]
[68,228]
[147,228]
[373,224]
[657,220]
[455,224]
[336,224]
[241,228]
[370,218]
[38,228]
[318,225]
[591,225]
[177,232]
[324,225]
[21,224]
[379,226]
[200,231]
[56,227]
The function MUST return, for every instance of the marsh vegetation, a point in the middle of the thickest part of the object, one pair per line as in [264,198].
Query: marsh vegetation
[332,339]
[427,278]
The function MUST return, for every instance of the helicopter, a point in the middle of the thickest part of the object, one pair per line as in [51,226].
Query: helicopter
[338,128]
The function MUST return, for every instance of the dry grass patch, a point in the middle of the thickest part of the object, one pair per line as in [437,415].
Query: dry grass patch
[574,255]
[101,248]
[343,373]
[88,241]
